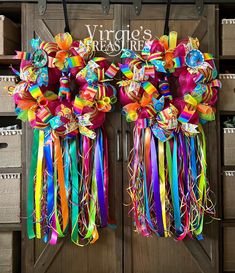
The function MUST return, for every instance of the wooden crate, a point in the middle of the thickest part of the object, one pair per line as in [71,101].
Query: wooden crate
[227,94]
[228,37]
[10,148]
[229,249]
[229,146]
[9,252]
[6,101]
[9,198]
[228,194]
[9,36]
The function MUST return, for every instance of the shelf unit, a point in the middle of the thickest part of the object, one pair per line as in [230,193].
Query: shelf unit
[13,12]
[8,60]
[226,64]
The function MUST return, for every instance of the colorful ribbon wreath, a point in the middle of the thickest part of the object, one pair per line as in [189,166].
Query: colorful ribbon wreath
[64,93]
[169,91]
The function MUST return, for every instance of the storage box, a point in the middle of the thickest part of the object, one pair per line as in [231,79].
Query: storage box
[228,194]
[227,93]
[9,198]
[9,36]
[228,37]
[229,146]
[10,148]
[9,252]
[229,249]
[6,101]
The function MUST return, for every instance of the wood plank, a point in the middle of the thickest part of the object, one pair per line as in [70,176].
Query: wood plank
[229,249]
[27,246]
[42,31]
[106,255]
[75,12]
[177,12]
[131,2]
[10,227]
[8,60]
[207,260]
[47,256]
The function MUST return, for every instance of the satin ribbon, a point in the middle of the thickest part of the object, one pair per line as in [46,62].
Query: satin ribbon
[136,177]
[202,182]
[162,184]
[156,188]
[38,185]
[66,166]
[175,188]
[191,107]
[48,152]
[75,191]
[147,173]
[100,178]
[62,190]
[92,233]
[30,201]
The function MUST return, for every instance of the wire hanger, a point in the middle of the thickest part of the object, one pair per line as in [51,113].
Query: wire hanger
[166,27]
[66,20]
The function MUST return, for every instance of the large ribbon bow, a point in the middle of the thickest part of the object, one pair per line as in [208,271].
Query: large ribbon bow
[98,79]
[193,104]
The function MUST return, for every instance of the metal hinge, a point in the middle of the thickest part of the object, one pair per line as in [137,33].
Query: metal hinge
[42,6]
[199,6]
[137,6]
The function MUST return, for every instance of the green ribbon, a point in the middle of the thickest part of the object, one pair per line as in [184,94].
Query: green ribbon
[74,174]
[202,181]
[92,210]
[57,220]
[30,201]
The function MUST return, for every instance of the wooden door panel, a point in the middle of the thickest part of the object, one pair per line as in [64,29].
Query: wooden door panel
[106,254]
[147,255]
[152,255]
[161,255]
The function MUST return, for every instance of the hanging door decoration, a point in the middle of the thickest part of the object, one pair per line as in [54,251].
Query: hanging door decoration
[64,93]
[169,91]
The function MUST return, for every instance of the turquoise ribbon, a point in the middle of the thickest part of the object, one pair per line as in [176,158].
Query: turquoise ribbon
[175,186]
[75,182]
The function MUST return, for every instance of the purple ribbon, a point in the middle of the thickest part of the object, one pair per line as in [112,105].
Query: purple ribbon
[100,178]
[185,168]
[156,187]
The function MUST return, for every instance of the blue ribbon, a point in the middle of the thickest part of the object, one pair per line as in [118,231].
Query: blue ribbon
[100,176]
[176,201]
[50,180]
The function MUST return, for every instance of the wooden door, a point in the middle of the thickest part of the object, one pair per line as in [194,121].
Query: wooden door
[121,250]
[160,255]
[105,256]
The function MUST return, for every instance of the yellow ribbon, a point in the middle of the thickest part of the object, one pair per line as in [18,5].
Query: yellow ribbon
[162,184]
[195,103]
[38,186]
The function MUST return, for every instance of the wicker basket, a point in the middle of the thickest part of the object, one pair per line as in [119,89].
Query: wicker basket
[227,94]
[229,249]
[6,101]
[9,252]
[228,37]
[10,148]
[9,36]
[9,198]
[228,194]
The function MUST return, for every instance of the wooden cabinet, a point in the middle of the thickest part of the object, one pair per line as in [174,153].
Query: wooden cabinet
[154,254]
[106,256]
[120,250]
